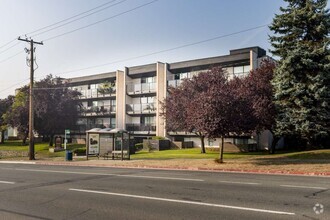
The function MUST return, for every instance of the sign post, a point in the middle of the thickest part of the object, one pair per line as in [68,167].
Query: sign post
[67,131]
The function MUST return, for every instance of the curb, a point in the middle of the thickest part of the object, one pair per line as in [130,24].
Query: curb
[292,173]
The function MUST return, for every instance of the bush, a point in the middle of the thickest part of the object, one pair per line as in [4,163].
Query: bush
[80,151]
[139,146]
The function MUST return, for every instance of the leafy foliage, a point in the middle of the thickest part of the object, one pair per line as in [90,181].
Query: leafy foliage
[302,77]
[4,106]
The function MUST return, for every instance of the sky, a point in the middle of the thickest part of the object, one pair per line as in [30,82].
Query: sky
[129,29]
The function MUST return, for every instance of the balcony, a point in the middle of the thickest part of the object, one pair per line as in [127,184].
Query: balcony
[141,128]
[143,88]
[82,128]
[97,93]
[99,110]
[174,83]
[146,108]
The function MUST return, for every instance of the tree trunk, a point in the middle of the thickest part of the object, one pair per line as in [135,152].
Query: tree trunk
[2,141]
[274,142]
[24,138]
[221,150]
[202,144]
[51,140]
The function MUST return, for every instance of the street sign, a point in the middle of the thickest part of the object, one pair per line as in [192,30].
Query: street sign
[67,131]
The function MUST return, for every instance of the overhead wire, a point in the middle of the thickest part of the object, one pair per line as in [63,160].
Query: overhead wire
[100,21]
[166,50]
[66,19]
[69,22]
[156,52]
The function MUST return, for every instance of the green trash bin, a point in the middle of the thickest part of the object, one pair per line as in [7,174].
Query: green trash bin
[68,155]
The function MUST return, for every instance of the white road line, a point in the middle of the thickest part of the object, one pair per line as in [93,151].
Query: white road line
[109,174]
[240,183]
[306,187]
[185,202]
[161,177]
[7,182]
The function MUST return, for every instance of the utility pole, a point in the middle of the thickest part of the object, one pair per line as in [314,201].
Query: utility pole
[31,110]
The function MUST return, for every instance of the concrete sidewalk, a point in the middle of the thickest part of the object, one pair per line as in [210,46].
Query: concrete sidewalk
[288,167]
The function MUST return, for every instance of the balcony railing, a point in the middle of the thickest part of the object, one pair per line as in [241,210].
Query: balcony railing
[174,83]
[146,108]
[141,88]
[99,110]
[96,93]
[141,128]
[82,128]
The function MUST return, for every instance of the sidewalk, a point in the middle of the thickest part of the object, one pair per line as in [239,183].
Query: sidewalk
[286,167]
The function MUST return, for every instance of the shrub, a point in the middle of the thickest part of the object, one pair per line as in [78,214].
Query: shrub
[80,151]
[139,146]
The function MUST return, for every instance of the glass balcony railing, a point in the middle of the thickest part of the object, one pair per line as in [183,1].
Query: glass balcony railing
[141,128]
[99,110]
[174,83]
[141,108]
[82,128]
[96,93]
[141,88]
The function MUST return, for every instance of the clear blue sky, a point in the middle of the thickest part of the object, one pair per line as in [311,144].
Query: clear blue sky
[161,25]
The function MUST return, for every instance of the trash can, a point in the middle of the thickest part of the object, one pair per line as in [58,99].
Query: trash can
[68,155]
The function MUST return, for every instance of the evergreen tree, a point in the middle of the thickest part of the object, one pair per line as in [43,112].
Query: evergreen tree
[302,77]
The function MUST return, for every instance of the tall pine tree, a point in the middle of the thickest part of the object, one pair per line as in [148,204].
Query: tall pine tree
[302,77]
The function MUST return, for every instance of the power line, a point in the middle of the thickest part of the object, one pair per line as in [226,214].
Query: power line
[167,50]
[69,22]
[10,47]
[59,22]
[100,21]
[8,43]
[8,58]
[149,54]
[32,32]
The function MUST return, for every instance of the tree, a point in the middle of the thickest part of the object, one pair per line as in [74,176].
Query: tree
[4,106]
[302,77]
[18,114]
[175,109]
[56,108]
[259,90]
[226,110]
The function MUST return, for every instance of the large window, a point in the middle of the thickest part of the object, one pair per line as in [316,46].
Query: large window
[145,100]
[241,71]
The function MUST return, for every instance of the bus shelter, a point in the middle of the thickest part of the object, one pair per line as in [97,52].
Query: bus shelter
[107,142]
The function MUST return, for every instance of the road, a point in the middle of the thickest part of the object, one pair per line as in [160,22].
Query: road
[59,192]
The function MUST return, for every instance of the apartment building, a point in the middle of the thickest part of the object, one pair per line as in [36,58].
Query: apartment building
[129,98]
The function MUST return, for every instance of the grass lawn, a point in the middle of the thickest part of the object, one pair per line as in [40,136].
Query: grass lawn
[41,149]
[194,153]
[42,152]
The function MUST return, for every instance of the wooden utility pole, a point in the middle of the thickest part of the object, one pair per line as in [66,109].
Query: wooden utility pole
[31,110]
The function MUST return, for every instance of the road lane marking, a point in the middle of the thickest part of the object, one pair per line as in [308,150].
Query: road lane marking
[7,182]
[162,177]
[109,174]
[240,183]
[184,202]
[306,187]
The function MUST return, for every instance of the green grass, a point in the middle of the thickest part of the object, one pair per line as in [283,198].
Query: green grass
[41,149]
[192,153]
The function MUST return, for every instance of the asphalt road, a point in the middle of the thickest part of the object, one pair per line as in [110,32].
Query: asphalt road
[58,192]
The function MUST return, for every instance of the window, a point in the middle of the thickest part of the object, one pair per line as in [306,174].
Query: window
[145,100]
[112,122]
[148,79]
[147,120]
